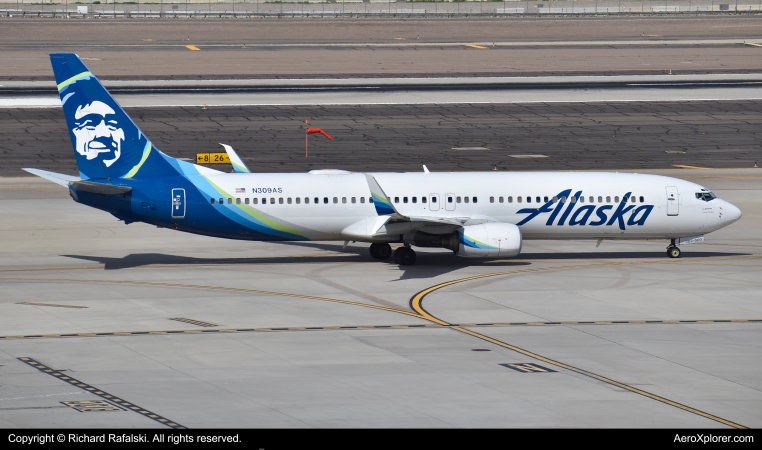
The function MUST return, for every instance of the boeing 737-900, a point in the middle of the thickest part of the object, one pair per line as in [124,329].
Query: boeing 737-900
[481,215]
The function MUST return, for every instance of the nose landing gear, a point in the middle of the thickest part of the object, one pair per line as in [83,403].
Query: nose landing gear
[673,251]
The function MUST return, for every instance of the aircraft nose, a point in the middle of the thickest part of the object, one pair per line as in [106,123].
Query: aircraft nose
[732,213]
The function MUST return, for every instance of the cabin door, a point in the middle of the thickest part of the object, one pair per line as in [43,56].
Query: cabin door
[673,201]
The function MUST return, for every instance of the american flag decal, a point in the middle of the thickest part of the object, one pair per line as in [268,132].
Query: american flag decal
[240,190]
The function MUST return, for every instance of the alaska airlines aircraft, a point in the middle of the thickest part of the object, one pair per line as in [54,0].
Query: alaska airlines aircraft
[483,215]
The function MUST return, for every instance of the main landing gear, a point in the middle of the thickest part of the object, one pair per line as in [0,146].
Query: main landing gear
[404,256]
[380,251]
[673,251]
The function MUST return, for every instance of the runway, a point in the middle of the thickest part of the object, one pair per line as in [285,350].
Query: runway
[570,136]
[313,335]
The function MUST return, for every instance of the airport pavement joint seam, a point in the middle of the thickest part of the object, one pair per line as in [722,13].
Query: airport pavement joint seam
[100,393]
[382,327]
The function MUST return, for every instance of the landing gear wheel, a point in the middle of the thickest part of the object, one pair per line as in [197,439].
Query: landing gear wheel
[404,256]
[673,252]
[374,250]
[383,251]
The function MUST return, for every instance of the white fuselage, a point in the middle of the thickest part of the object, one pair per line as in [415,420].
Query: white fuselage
[586,210]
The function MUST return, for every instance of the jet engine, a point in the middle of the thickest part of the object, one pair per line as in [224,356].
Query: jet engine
[488,240]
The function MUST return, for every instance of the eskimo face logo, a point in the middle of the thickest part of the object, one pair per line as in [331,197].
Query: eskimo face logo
[97,133]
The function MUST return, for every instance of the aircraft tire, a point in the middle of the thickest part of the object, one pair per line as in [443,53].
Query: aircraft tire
[383,251]
[374,251]
[673,252]
[404,256]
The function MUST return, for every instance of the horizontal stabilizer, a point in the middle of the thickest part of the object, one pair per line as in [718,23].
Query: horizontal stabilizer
[58,178]
[236,160]
[99,188]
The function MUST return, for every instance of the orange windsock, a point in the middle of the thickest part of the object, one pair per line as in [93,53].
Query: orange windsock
[318,130]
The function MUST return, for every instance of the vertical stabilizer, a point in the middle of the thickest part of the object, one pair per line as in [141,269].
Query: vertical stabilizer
[107,144]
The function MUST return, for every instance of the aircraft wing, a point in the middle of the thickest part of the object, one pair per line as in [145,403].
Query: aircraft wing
[238,164]
[391,221]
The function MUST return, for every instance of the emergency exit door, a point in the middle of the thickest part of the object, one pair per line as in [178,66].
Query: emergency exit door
[673,201]
[449,202]
[178,203]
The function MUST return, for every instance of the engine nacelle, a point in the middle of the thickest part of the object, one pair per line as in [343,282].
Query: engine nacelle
[489,240]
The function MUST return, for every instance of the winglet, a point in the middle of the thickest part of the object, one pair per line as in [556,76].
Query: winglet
[425,169]
[382,203]
[238,164]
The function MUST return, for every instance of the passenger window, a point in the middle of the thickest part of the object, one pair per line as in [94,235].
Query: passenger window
[537,199]
[317,200]
[592,199]
[632,199]
[325,200]
[573,199]
[306,200]
[230,201]
[343,200]
[449,199]
[246,200]
[264,201]
[608,199]
[396,199]
[335,200]
[370,199]
[238,201]
[475,200]
[254,201]
[582,199]
[213,200]
[510,199]
[298,200]
[563,199]
[415,199]
[529,199]
[280,200]
[362,199]
[423,199]
[546,199]
[404,199]
[465,199]
[519,199]
[354,199]
[500,199]
[600,199]
[288,200]
[616,199]
[457,199]
[492,199]
[641,199]
[222,201]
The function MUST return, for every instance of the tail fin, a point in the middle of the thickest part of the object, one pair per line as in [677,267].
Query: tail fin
[107,144]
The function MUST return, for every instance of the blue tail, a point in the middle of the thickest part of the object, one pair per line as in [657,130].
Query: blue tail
[107,144]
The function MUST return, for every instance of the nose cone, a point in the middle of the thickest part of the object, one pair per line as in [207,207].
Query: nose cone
[732,213]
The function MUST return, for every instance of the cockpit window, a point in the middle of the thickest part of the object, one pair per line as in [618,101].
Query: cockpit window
[705,196]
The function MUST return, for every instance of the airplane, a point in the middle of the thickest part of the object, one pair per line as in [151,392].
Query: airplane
[475,215]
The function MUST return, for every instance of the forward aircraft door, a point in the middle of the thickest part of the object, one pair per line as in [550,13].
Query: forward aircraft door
[178,203]
[673,203]
[450,202]
[434,202]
